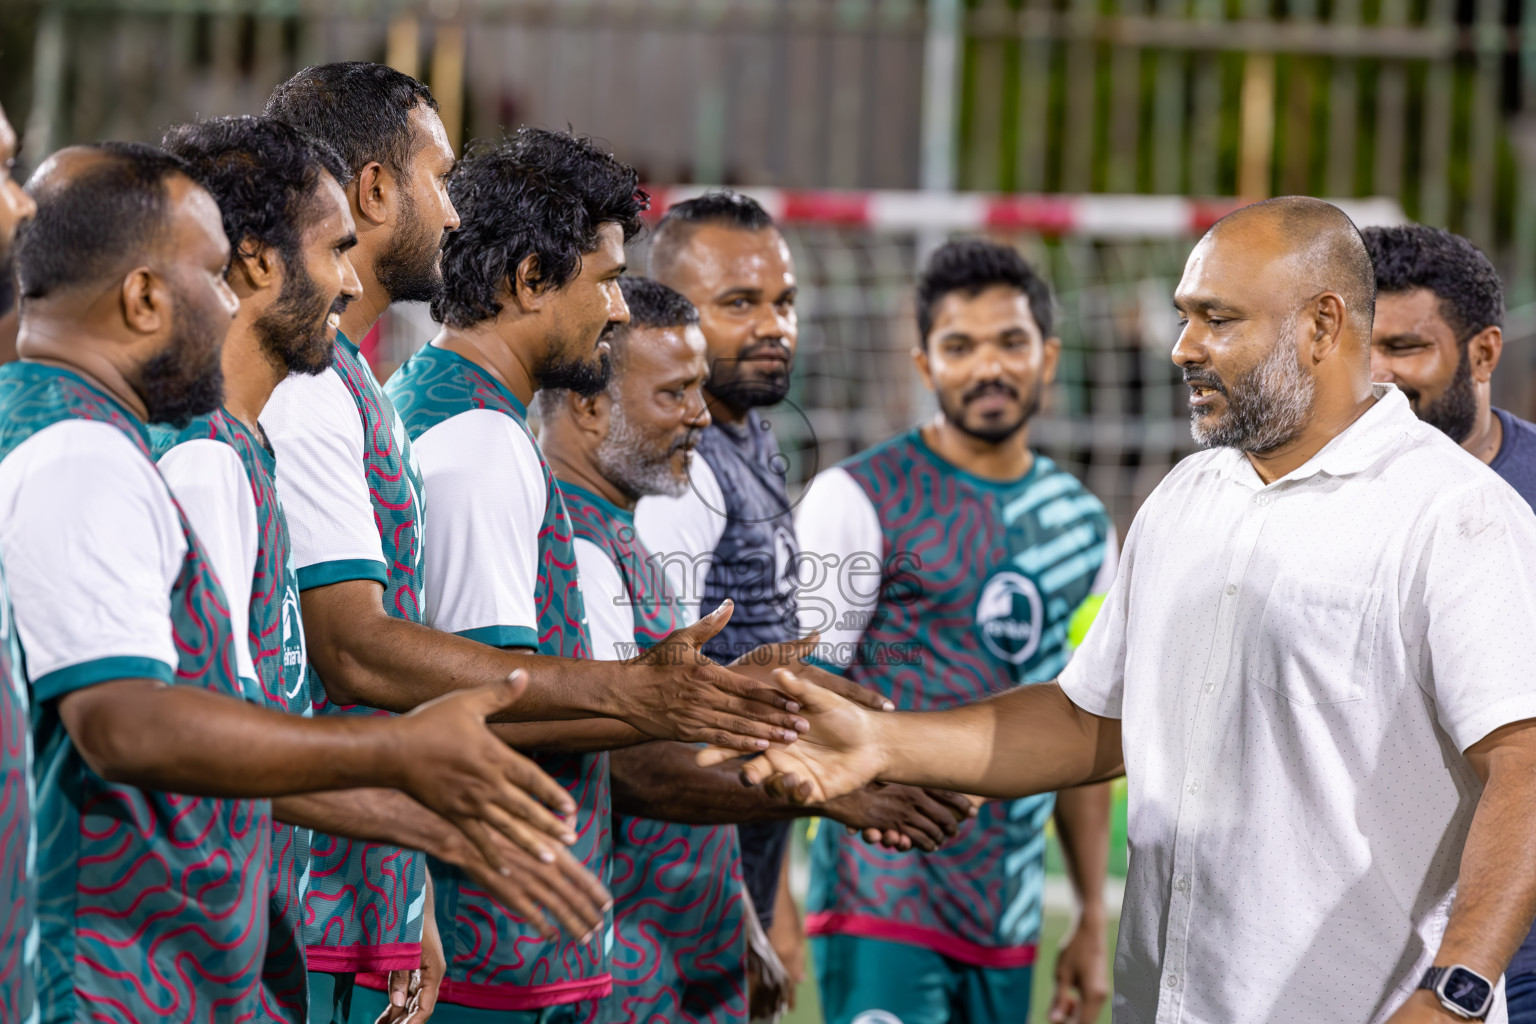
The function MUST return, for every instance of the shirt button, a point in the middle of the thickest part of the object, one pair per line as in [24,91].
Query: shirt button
[1210,687]
[1262,499]
[1231,589]
[1181,885]
[1172,981]
[1194,787]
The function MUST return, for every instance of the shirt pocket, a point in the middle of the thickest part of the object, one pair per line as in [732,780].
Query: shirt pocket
[1317,640]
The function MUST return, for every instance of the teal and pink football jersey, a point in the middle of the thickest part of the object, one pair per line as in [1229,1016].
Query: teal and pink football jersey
[937,587]
[151,905]
[680,941]
[18,837]
[501,570]
[224,478]
[352,497]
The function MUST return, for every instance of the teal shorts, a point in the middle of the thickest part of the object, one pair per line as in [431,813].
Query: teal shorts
[338,999]
[566,1013]
[870,981]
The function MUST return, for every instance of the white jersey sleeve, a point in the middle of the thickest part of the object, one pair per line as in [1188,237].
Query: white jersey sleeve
[485,498]
[842,552]
[209,482]
[683,532]
[316,433]
[92,547]
[609,617]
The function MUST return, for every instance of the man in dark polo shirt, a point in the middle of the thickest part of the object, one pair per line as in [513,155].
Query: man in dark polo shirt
[733,526]
[1438,336]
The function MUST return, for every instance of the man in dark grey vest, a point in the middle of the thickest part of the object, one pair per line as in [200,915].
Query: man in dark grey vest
[734,527]
[732,534]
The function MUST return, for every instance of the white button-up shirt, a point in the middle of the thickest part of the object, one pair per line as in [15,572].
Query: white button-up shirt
[1299,667]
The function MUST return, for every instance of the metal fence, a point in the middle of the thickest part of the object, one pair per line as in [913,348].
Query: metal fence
[1432,102]
[1428,101]
[791,92]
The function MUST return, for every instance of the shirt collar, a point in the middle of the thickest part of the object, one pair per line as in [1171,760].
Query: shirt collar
[623,515]
[1353,450]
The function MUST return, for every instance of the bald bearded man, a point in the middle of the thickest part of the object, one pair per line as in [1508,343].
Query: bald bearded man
[1313,668]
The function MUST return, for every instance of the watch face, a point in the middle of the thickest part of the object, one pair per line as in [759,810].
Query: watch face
[1466,990]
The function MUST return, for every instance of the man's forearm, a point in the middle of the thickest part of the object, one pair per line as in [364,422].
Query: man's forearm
[584,736]
[560,887]
[1030,740]
[662,781]
[372,815]
[1082,824]
[186,740]
[367,657]
[1496,889]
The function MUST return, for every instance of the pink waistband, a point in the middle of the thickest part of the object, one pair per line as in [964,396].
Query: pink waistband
[392,956]
[866,927]
[510,997]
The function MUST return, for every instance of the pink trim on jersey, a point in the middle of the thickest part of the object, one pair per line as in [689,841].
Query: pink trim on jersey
[866,927]
[510,997]
[391,956]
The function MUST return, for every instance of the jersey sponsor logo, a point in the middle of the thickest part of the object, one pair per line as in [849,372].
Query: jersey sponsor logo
[1010,616]
[293,641]
[877,1017]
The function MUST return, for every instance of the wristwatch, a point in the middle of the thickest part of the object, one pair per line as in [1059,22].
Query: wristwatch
[1461,990]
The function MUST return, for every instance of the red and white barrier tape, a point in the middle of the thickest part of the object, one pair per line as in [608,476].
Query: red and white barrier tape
[1098,216]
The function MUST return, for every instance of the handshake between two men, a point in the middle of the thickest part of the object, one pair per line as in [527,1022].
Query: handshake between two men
[469,799]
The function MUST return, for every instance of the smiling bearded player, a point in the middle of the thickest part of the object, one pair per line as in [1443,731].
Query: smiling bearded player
[280,194]
[730,533]
[681,922]
[936,615]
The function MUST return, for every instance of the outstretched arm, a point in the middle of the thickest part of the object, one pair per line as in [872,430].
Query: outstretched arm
[368,657]
[1032,739]
[555,883]
[661,781]
[182,739]
[582,736]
